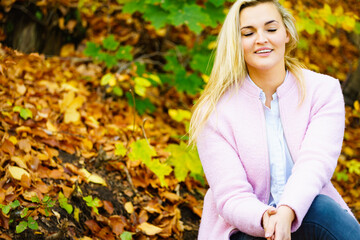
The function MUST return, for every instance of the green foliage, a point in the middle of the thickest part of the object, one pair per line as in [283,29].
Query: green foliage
[93,203]
[47,203]
[353,166]
[126,236]
[142,105]
[23,225]
[185,160]
[120,150]
[176,13]
[25,113]
[63,201]
[109,52]
[143,151]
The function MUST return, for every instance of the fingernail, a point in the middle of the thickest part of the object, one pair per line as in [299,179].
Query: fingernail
[267,235]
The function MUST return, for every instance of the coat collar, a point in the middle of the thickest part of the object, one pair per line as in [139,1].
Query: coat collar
[254,91]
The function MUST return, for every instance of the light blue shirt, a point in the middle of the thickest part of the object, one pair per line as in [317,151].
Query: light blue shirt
[281,162]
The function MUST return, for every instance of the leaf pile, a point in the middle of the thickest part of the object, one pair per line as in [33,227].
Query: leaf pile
[64,139]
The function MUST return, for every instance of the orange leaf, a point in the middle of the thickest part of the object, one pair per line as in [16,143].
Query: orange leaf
[108,207]
[8,147]
[24,144]
[117,224]
[25,181]
[93,226]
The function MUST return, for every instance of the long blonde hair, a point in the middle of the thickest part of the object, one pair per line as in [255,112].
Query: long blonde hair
[229,66]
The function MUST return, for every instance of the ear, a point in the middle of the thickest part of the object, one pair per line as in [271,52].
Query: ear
[287,37]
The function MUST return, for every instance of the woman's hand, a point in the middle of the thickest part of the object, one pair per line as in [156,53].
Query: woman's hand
[277,224]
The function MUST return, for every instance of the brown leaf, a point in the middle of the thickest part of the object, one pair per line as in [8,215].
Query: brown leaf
[117,224]
[108,207]
[105,234]
[25,181]
[149,229]
[24,144]
[8,147]
[93,226]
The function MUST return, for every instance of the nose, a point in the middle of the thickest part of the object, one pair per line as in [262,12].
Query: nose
[261,38]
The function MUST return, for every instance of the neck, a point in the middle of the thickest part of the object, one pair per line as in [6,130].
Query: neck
[268,80]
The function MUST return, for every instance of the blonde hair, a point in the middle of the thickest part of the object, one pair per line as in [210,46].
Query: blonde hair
[230,68]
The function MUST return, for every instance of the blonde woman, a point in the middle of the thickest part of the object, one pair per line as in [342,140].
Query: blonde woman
[269,134]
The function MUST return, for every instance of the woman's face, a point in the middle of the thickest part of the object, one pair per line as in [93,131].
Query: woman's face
[263,37]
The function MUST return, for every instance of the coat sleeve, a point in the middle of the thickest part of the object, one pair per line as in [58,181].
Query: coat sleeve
[319,151]
[233,194]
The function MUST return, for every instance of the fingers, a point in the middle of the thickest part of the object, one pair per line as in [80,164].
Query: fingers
[271,211]
[270,229]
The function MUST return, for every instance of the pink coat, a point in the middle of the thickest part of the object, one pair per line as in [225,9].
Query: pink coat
[233,151]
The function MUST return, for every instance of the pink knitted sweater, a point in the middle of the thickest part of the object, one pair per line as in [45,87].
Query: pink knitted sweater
[233,151]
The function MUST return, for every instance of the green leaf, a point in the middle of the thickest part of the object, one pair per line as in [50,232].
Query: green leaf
[32,224]
[46,198]
[357,28]
[141,105]
[117,91]
[184,160]
[140,68]
[216,14]
[217,3]
[180,115]
[126,236]
[26,113]
[188,83]
[200,62]
[110,43]
[6,209]
[21,227]
[105,80]
[108,59]
[133,6]
[14,204]
[141,150]
[124,53]
[160,169]
[17,109]
[140,85]
[24,212]
[191,15]
[64,204]
[156,15]
[92,49]
[120,150]
[35,199]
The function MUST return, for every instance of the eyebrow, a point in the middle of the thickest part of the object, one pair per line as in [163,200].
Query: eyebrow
[267,23]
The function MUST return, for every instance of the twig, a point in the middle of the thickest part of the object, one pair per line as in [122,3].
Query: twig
[128,176]
[143,129]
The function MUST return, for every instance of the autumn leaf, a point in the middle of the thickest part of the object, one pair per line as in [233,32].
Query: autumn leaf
[149,229]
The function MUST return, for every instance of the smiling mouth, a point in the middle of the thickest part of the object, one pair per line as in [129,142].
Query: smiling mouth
[264,51]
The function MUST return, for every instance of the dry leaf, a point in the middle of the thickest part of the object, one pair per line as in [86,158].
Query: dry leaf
[17,172]
[129,207]
[149,229]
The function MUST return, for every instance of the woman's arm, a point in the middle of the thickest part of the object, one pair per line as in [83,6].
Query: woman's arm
[319,150]
[233,194]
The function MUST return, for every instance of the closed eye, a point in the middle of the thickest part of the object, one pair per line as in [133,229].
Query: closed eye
[272,30]
[247,34]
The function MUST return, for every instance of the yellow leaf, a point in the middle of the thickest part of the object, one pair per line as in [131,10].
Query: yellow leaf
[76,214]
[51,126]
[348,151]
[348,24]
[13,139]
[149,229]
[21,89]
[17,172]
[212,45]
[357,105]
[335,42]
[108,79]
[205,77]
[20,162]
[155,78]
[140,90]
[87,144]
[69,87]
[67,50]
[71,115]
[339,11]
[68,98]
[129,207]
[179,114]
[85,173]
[142,82]
[94,178]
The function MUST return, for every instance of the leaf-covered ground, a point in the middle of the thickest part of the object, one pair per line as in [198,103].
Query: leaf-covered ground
[42,155]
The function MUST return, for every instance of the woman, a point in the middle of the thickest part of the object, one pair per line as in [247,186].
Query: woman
[269,134]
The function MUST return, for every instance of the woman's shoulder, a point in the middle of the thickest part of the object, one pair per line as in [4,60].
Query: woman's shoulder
[312,77]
